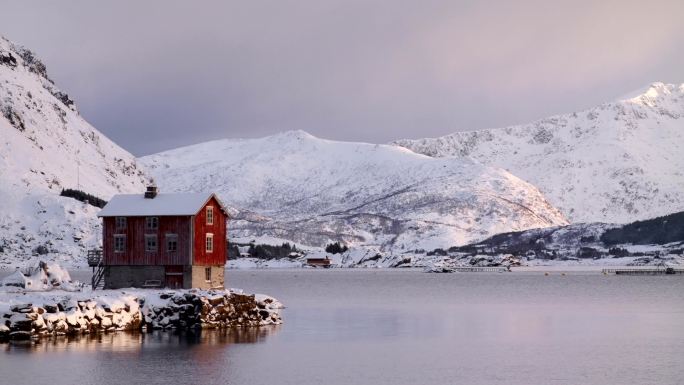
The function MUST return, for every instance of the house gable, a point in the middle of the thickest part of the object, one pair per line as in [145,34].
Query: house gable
[216,230]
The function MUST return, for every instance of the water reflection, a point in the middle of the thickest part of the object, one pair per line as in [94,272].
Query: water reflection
[136,341]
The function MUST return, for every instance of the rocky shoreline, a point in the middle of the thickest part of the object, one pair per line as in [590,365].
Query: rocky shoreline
[31,315]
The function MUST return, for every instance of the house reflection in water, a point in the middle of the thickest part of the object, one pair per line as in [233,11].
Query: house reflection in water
[139,341]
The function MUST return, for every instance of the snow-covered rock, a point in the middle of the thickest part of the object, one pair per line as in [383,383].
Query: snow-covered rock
[41,276]
[46,146]
[313,191]
[617,163]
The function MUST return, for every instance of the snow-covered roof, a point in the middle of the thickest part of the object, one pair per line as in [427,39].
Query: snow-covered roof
[129,205]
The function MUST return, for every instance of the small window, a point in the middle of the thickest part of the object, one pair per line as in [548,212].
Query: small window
[209,244]
[210,215]
[151,223]
[171,242]
[207,274]
[120,223]
[150,243]
[119,243]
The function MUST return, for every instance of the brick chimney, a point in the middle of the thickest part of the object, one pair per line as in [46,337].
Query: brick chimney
[151,192]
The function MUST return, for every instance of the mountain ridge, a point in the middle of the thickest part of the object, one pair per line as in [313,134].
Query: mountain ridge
[314,191]
[617,162]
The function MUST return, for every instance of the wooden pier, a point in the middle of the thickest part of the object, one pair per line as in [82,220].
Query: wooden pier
[643,271]
[481,269]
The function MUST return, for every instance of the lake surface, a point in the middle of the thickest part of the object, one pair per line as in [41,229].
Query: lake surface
[400,327]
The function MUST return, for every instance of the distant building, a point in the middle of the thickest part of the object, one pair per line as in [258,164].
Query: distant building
[319,262]
[164,240]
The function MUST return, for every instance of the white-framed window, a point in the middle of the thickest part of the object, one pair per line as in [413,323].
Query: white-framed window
[120,223]
[210,215]
[171,242]
[207,274]
[151,223]
[150,243]
[209,243]
[119,243]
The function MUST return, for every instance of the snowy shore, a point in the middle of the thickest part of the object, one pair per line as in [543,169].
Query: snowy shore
[26,315]
[44,301]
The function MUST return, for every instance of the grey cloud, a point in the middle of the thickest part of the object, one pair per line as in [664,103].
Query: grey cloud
[160,74]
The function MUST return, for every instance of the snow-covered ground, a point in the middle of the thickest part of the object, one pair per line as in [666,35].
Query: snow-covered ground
[368,257]
[615,163]
[40,276]
[535,264]
[255,263]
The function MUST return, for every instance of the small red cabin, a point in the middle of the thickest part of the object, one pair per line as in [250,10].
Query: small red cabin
[164,240]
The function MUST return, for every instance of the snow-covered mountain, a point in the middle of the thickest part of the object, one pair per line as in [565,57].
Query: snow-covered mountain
[618,162]
[312,191]
[46,146]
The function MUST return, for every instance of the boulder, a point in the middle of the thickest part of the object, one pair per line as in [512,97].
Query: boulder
[21,308]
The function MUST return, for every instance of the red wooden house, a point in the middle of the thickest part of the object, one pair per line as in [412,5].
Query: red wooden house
[170,240]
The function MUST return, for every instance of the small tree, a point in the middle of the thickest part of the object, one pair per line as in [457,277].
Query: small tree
[84,197]
[233,251]
[336,248]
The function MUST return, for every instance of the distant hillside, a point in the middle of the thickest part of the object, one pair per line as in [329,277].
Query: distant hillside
[651,240]
[661,230]
[313,191]
[618,162]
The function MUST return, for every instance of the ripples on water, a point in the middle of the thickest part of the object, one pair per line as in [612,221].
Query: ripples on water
[399,327]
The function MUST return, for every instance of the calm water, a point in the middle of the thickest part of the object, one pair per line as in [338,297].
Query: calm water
[401,327]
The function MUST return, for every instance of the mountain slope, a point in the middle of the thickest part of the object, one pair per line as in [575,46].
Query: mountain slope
[653,241]
[46,146]
[309,190]
[618,162]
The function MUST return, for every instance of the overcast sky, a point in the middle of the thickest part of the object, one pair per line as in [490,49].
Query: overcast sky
[154,75]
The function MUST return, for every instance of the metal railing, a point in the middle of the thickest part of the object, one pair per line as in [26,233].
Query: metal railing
[94,257]
[643,271]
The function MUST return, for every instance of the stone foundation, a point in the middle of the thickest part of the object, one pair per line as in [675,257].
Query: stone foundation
[117,277]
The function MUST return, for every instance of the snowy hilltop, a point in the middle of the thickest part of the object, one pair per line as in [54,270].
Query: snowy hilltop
[46,147]
[617,162]
[313,191]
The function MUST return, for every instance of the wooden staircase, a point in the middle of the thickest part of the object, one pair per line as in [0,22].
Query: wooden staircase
[95,261]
